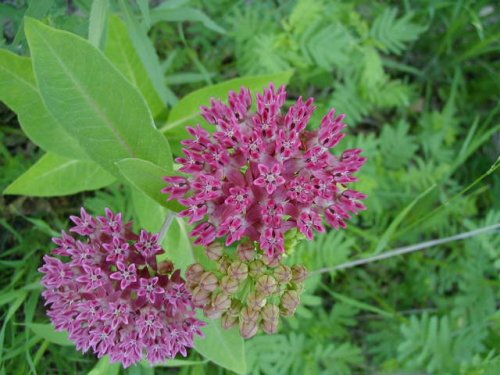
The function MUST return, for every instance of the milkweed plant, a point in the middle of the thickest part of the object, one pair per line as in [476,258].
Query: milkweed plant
[247,173]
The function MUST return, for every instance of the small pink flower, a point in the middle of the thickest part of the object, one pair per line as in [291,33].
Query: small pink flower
[93,277]
[270,178]
[125,275]
[150,289]
[148,245]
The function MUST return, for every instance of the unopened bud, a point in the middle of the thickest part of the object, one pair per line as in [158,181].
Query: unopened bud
[229,285]
[194,272]
[211,312]
[215,250]
[208,281]
[248,329]
[256,301]
[266,285]
[238,270]
[228,321]
[246,251]
[235,308]
[270,312]
[224,264]
[290,300]
[270,326]
[256,268]
[271,261]
[299,273]
[165,268]
[248,314]
[286,312]
[200,296]
[283,274]
[221,302]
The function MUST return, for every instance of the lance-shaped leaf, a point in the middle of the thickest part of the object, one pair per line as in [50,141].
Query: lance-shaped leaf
[148,178]
[92,100]
[223,347]
[55,175]
[49,333]
[20,92]
[120,50]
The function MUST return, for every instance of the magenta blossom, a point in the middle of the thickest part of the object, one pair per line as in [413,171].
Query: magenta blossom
[261,174]
[112,296]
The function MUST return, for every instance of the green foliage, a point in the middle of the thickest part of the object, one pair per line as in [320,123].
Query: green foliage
[418,81]
[55,175]
[391,34]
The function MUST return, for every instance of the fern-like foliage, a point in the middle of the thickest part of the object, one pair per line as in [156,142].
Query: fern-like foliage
[397,146]
[392,33]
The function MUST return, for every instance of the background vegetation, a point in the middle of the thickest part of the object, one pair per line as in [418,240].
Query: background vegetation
[419,81]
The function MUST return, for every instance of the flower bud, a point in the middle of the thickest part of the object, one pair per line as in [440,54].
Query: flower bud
[215,250]
[257,268]
[270,312]
[208,281]
[224,264]
[235,308]
[283,274]
[271,261]
[290,300]
[248,329]
[270,326]
[286,312]
[266,285]
[200,296]
[165,267]
[299,273]
[238,270]
[246,251]
[229,285]
[228,321]
[256,301]
[211,312]
[248,314]
[194,272]
[221,302]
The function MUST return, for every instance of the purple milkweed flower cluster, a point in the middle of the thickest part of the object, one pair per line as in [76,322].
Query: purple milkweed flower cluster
[261,174]
[111,295]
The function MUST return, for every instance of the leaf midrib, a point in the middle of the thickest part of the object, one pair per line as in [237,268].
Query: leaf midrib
[88,99]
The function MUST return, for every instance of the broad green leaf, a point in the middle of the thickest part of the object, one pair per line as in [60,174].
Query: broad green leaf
[93,100]
[120,50]
[178,245]
[97,22]
[223,347]
[148,214]
[20,92]
[187,111]
[148,178]
[55,175]
[104,367]
[49,333]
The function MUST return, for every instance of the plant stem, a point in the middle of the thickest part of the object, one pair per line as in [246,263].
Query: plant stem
[408,249]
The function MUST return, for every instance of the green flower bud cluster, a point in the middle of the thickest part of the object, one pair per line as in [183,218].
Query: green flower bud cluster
[247,289]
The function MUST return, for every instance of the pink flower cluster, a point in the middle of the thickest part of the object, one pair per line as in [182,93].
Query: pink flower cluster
[113,297]
[262,174]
